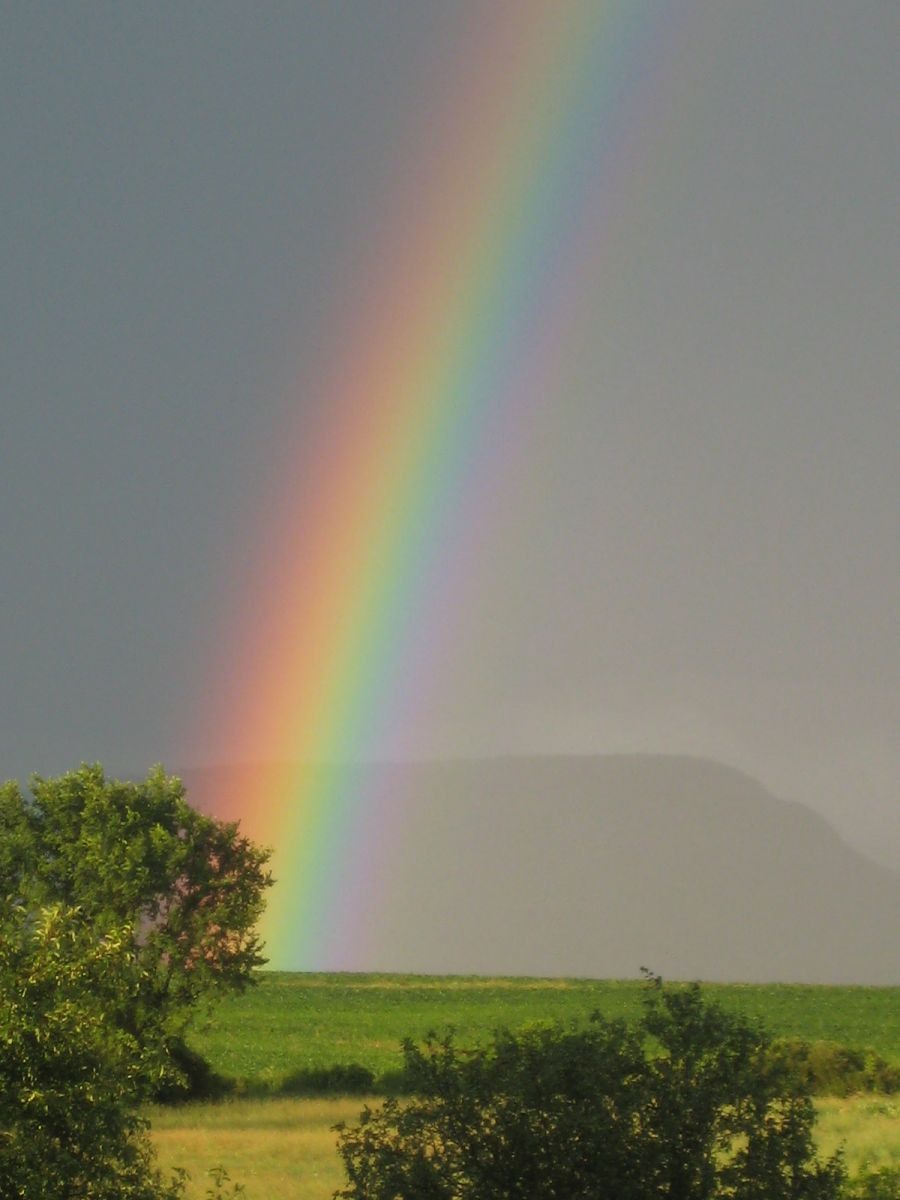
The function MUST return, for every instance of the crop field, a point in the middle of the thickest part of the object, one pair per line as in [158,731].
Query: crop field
[294,1022]
[284,1147]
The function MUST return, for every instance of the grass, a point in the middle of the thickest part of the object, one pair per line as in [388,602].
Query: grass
[286,1148]
[296,1022]
[867,1127]
[275,1148]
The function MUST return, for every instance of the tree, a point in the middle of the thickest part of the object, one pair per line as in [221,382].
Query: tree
[188,888]
[68,1075]
[684,1105]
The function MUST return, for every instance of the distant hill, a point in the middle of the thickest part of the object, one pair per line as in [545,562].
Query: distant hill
[595,866]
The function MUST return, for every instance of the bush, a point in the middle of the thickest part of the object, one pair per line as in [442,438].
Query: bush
[339,1080]
[393,1083]
[828,1069]
[685,1104]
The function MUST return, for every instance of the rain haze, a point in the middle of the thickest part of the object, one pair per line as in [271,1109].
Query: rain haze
[695,551]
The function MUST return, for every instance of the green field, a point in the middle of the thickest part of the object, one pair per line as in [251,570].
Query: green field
[294,1022]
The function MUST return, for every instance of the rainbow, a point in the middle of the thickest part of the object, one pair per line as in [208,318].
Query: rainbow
[435,386]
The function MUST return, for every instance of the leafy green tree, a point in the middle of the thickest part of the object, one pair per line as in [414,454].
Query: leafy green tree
[188,888]
[684,1105]
[68,1075]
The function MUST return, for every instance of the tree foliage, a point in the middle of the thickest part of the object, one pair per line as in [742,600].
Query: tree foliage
[188,888]
[69,1075]
[123,911]
[686,1104]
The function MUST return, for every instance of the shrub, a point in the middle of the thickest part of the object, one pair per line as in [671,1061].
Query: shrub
[685,1104]
[827,1068]
[393,1083]
[339,1080]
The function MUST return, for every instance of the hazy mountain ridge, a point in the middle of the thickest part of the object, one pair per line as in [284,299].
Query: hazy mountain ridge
[598,865]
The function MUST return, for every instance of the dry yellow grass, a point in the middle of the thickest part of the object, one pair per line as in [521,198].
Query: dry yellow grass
[868,1127]
[285,1149]
[275,1148]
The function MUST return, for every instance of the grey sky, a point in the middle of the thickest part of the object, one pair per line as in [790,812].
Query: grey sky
[703,558]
